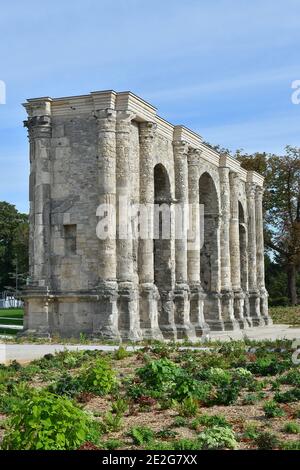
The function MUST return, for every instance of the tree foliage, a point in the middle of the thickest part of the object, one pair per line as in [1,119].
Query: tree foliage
[13,246]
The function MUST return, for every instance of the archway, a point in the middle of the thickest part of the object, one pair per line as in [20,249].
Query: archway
[162,250]
[209,252]
[162,226]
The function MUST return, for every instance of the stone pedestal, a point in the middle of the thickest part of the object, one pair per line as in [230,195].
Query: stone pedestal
[166,315]
[239,308]
[213,311]
[129,322]
[105,319]
[183,325]
[149,297]
[197,297]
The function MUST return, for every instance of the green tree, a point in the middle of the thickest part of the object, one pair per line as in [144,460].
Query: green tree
[13,246]
[282,209]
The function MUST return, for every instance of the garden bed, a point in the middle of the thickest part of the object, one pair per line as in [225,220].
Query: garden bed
[239,395]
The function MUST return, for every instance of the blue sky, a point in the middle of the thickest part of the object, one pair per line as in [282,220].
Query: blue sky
[222,68]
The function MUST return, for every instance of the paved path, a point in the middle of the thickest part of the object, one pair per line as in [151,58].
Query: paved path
[28,352]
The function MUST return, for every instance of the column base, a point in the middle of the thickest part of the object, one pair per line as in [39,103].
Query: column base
[148,307]
[212,311]
[183,325]
[264,307]
[238,306]
[227,299]
[128,312]
[197,297]
[254,303]
[166,315]
[105,318]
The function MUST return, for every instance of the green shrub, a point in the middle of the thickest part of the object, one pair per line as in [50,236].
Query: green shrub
[111,422]
[186,444]
[217,437]
[292,377]
[119,407]
[47,422]
[121,353]
[252,398]
[66,385]
[290,445]
[160,374]
[217,376]
[180,422]
[292,428]
[210,421]
[272,410]
[226,395]
[288,396]
[242,377]
[141,435]
[269,365]
[99,379]
[251,431]
[266,441]
[112,444]
[188,407]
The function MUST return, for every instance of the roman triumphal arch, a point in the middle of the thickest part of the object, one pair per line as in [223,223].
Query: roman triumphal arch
[191,256]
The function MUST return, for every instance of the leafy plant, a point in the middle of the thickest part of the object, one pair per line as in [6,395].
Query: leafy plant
[180,422]
[292,377]
[119,407]
[217,437]
[272,410]
[267,441]
[111,422]
[160,374]
[66,385]
[112,444]
[290,445]
[288,396]
[210,421]
[188,407]
[47,422]
[121,353]
[141,435]
[292,428]
[99,379]
[251,431]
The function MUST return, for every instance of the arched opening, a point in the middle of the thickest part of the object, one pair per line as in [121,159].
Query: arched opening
[162,248]
[162,225]
[243,248]
[209,254]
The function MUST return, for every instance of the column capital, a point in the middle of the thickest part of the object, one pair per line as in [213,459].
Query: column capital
[124,119]
[259,192]
[181,147]
[147,130]
[194,156]
[39,127]
[250,190]
[106,119]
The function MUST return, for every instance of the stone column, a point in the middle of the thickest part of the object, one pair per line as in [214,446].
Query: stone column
[106,320]
[197,294]
[260,262]
[39,284]
[226,286]
[129,324]
[235,251]
[148,291]
[254,300]
[181,291]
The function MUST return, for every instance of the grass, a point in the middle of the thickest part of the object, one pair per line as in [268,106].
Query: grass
[10,316]
[286,315]
[16,313]
[143,409]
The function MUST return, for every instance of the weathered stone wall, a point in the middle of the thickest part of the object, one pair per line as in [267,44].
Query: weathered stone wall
[94,149]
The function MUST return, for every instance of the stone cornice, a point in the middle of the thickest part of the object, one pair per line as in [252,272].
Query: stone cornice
[143,112]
